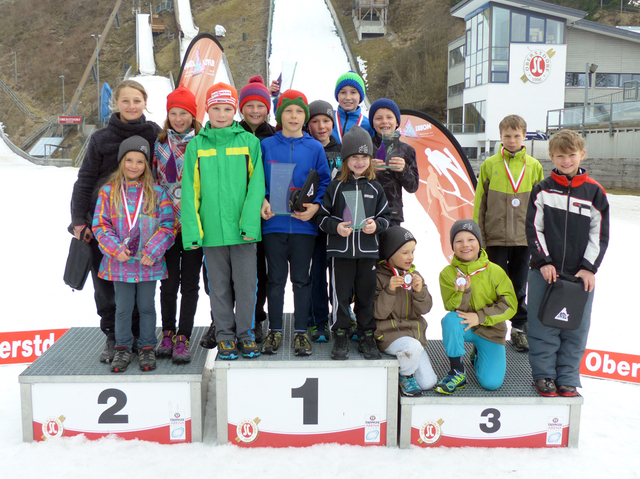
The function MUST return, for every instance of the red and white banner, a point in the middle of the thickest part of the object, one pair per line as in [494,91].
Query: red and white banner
[447,181]
[199,68]
[26,346]
[609,365]
[70,120]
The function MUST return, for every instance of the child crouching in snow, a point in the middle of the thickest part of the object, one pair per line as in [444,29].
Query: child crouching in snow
[401,300]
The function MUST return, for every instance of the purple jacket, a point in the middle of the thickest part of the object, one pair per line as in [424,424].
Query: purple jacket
[157,233]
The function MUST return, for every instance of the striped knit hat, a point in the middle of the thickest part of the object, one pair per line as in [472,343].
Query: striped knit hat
[222,93]
[255,90]
[351,78]
[292,97]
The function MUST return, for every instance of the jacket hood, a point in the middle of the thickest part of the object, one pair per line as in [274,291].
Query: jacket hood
[468,268]
[221,134]
[579,178]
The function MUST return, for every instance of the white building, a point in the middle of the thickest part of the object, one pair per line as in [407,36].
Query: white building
[531,58]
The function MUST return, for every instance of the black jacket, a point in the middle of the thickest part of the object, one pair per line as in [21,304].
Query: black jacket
[568,223]
[331,213]
[101,160]
[332,152]
[265,130]
[393,181]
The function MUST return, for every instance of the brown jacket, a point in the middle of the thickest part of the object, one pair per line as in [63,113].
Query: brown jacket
[399,313]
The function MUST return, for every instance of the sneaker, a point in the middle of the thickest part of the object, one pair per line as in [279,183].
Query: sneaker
[147,358]
[165,348]
[272,342]
[249,348]
[321,333]
[181,350]
[109,351]
[452,381]
[301,344]
[546,387]
[519,340]
[367,346]
[340,349]
[121,359]
[208,340]
[258,331]
[228,350]
[567,391]
[409,386]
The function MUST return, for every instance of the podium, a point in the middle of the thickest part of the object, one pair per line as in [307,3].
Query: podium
[283,400]
[514,415]
[67,392]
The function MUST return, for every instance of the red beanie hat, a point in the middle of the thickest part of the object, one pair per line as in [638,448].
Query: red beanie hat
[292,97]
[255,90]
[183,98]
[222,93]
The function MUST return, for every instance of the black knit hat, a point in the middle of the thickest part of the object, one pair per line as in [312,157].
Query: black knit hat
[321,107]
[392,240]
[134,143]
[465,225]
[357,141]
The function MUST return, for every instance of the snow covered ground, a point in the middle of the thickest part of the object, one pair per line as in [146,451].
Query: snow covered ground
[144,45]
[35,244]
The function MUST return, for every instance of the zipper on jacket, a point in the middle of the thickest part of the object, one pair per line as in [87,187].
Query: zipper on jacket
[566,223]
[355,214]
[290,161]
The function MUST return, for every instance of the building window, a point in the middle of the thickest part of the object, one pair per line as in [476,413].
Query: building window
[456,89]
[471,153]
[456,56]
[607,80]
[555,32]
[474,117]
[518,27]
[454,120]
[530,29]
[574,79]
[536,30]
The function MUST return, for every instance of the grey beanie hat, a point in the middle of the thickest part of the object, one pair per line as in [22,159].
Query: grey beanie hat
[357,141]
[134,143]
[465,225]
[392,239]
[321,107]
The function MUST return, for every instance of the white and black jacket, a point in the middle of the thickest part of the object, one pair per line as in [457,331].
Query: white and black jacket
[330,214]
[568,223]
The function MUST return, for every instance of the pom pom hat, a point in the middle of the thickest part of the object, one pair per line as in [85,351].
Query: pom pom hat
[351,78]
[292,97]
[183,98]
[255,90]
[222,93]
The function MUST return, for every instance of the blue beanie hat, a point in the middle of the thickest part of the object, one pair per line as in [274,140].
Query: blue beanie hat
[350,78]
[384,103]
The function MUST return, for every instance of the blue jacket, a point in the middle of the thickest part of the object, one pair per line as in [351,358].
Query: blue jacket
[346,119]
[307,154]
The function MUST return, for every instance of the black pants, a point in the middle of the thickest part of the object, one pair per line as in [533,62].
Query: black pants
[359,276]
[183,267]
[261,295]
[105,298]
[284,253]
[514,260]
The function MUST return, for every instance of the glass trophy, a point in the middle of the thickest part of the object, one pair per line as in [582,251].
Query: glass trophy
[280,187]
[389,147]
[354,211]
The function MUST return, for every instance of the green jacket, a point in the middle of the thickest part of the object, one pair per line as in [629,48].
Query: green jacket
[502,224]
[222,188]
[491,295]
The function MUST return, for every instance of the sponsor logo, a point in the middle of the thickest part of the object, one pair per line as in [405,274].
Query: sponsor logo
[52,427]
[368,196]
[609,365]
[363,149]
[26,346]
[247,431]
[431,432]
[562,315]
[537,66]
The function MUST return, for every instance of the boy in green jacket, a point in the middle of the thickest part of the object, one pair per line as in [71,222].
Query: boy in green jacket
[500,209]
[222,193]
[480,296]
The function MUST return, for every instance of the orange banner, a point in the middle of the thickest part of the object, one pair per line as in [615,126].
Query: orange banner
[608,365]
[26,346]
[199,68]
[447,182]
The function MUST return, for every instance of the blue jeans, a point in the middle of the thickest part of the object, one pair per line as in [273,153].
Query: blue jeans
[127,295]
[491,361]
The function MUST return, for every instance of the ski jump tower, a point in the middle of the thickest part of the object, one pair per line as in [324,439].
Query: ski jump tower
[370,17]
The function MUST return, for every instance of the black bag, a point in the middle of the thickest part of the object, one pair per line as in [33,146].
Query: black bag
[306,194]
[78,263]
[563,303]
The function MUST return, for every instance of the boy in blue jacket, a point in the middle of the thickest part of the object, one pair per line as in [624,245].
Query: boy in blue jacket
[350,92]
[289,239]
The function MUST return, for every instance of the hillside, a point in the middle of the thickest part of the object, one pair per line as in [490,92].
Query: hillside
[50,39]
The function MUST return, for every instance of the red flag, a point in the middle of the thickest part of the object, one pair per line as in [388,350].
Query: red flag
[199,68]
[447,182]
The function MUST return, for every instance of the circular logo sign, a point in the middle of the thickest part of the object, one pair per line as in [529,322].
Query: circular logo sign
[247,431]
[52,427]
[537,66]
[430,432]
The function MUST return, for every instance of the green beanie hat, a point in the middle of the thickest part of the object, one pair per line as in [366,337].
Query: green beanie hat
[351,78]
[292,97]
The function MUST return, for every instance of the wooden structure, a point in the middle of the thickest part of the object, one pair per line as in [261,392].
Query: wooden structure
[370,17]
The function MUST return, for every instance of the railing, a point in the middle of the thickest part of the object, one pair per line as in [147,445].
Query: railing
[78,161]
[465,128]
[614,112]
